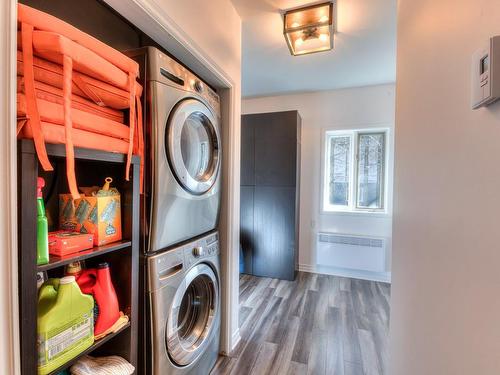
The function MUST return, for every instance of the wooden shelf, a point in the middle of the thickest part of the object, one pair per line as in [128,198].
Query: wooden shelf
[55,261]
[89,350]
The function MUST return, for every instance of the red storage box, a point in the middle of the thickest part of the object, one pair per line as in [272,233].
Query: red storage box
[63,243]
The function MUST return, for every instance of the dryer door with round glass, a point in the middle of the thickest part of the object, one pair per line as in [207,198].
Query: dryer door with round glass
[192,316]
[192,146]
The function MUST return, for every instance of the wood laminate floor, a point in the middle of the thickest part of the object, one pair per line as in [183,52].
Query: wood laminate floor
[317,324]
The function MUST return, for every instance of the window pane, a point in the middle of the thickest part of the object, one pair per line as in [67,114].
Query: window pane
[340,152]
[371,157]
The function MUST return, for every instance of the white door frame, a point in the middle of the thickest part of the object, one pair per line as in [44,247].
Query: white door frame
[9,306]
[153,20]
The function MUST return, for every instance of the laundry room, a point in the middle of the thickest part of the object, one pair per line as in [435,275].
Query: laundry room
[125,121]
[249,187]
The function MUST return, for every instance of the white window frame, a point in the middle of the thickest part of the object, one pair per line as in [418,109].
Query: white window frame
[354,134]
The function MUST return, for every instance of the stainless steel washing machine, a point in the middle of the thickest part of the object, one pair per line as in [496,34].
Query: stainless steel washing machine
[184,295]
[183,153]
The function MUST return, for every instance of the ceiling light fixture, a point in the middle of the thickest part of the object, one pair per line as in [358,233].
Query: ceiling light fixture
[309,29]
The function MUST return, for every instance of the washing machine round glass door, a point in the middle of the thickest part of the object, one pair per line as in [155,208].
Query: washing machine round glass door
[193,146]
[192,315]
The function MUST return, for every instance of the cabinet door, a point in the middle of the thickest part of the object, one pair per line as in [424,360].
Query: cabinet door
[247,151]
[274,232]
[246,226]
[275,148]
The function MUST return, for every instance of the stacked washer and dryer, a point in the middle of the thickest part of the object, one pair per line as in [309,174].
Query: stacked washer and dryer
[180,210]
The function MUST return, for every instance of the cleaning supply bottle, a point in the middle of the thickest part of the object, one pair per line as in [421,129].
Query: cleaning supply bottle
[42,226]
[97,281]
[65,323]
[74,269]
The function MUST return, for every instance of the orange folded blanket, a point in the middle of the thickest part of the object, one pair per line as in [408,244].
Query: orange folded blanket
[56,134]
[52,94]
[53,47]
[43,21]
[52,112]
[101,93]
[54,40]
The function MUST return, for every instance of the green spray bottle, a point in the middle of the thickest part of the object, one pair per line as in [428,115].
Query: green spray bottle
[42,226]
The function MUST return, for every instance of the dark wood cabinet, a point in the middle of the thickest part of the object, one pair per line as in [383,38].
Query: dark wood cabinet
[275,148]
[247,152]
[274,232]
[270,166]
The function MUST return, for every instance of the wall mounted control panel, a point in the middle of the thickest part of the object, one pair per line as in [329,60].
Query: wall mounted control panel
[486,74]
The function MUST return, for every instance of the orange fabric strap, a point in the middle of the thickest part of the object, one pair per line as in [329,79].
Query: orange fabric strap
[32,110]
[68,123]
[140,150]
[132,83]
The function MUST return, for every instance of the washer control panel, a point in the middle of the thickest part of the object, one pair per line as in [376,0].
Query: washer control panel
[204,247]
[172,263]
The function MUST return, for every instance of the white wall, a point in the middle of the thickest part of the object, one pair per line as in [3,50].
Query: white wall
[214,26]
[354,108]
[211,28]
[445,316]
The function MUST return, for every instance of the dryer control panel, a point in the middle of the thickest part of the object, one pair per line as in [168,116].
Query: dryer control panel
[164,69]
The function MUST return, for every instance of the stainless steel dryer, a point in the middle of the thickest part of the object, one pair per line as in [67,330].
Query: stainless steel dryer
[184,295]
[183,153]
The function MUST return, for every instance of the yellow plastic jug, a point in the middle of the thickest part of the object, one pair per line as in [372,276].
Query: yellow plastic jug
[65,323]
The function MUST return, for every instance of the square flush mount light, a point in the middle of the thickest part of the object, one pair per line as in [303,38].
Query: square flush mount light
[309,29]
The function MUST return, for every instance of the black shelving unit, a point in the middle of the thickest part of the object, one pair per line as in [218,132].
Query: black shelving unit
[55,262]
[92,166]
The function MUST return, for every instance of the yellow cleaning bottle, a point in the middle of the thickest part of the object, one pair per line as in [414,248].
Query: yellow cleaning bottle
[65,323]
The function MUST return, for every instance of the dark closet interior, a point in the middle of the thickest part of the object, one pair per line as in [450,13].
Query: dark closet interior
[95,18]
[270,168]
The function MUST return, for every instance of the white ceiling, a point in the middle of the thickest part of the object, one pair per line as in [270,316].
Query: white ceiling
[364,48]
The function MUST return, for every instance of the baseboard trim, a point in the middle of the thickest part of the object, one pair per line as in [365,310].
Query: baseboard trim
[344,272]
[235,339]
